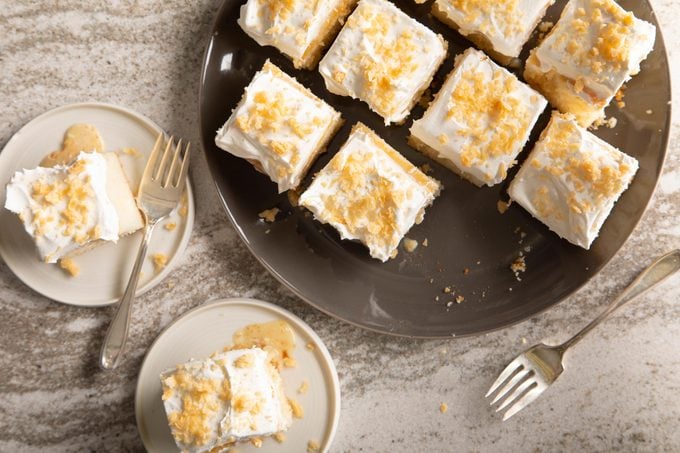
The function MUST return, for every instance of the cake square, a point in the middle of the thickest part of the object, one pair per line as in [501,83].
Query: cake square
[384,58]
[479,121]
[594,48]
[501,28]
[228,398]
[279,126]
[300,29]
[67,208]
[370,193]
[571,180]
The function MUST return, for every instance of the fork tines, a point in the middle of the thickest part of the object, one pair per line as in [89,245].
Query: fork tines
[519,388]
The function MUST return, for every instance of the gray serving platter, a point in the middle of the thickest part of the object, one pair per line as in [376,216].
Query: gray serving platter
[470,244]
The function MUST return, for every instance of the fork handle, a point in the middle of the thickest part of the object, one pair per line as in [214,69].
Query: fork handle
[116,336]
[657,272]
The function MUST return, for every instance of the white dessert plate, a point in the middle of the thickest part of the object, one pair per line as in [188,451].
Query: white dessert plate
[209,328]
[105,269]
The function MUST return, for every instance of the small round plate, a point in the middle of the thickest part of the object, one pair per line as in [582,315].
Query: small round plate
[209,328]
[104,270]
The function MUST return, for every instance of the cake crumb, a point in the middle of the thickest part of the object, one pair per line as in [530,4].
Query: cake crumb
[313,446]
[298,412]
[280,437]
[524,340]
[69,266]
[425,242]
[431,280]
[304,387]
[160,260]
[503,206]
[449,304]
[130,152]
[619,97]
[170,226]
[436,298]
[611,122]
[518,266]
[649,111]
[293,197]
[256,441]
[425,168]
[443,408]
[447,290]
[545,26]
[310,346]
[184,205]
[269,215]
[459,299]
[466,271]
[410,244]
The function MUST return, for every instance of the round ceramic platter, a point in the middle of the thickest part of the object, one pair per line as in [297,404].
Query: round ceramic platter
[209,328]
[104,270]
[464,230]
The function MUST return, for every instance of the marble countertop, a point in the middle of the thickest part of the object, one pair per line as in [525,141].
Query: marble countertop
[622,387]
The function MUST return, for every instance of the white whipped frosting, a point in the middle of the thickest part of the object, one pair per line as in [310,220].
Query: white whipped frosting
[296,26]
[51,237]
[554,53]
[363,44]
[260,383]
[449,135]
[286,169]
[340,202]
[507,24]
[569,203]
[255,384]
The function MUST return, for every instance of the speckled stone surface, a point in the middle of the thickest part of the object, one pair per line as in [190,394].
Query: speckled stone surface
[622,387]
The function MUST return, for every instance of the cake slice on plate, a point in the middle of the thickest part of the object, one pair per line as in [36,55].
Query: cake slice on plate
[594,48]
[571,180]
[228,398]
[279,126]
[479,121]
[370,193]
[67,208]
[384,58]
[501,27]
[300,29]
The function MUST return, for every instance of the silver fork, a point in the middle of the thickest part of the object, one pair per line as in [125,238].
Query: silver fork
[533,371]
[159,193]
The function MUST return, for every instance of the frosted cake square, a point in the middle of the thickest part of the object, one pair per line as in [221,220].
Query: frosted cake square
[300,29]
[479,121]
[370,193]
[67,208]
[594,48]
[228,398]
[384,58]
[501,27]
[571,180]
[279,126]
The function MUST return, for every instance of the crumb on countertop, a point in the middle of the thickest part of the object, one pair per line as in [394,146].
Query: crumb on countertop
[466,271]
[459,299]
[69,266]
[443,407]
[313,446]
[425,242]
[410,244]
